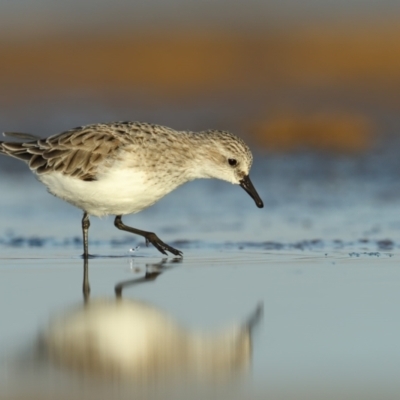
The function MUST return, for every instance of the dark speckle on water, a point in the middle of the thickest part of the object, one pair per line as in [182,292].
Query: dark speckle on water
[386,244]
[273,246]
[357,247]
[36,242]
[77,240]
[15,242]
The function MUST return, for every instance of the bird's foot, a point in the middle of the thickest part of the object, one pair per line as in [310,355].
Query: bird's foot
[160,245]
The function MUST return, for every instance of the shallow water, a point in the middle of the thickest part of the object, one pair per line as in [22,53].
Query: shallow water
[321,258]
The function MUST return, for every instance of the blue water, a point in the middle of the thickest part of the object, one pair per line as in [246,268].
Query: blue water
[322,258]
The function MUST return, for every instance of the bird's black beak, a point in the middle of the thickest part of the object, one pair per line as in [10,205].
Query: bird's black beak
[246,184]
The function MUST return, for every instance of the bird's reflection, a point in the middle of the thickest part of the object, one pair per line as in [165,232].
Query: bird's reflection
[122,338]
[152,271]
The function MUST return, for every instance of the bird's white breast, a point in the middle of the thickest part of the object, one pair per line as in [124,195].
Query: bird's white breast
[117,191]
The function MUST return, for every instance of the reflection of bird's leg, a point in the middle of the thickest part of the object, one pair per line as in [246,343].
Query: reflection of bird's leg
[86,286]
[151,275]
[85,231]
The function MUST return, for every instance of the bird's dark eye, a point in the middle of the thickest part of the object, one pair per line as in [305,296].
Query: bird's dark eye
[232,162]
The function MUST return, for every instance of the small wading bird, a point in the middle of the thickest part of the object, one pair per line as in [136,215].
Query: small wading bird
[124,167]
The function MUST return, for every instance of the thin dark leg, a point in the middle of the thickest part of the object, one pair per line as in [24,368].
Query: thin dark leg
[85,285]
[149,236]
[85,230]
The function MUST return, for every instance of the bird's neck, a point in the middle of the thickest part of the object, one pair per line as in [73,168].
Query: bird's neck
[203,156]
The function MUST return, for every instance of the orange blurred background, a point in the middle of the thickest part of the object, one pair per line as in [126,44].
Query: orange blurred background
[315,81]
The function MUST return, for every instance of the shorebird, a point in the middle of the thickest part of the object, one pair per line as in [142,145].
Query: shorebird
[124,167]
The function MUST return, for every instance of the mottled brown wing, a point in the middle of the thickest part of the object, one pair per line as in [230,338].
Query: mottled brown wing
[77,152]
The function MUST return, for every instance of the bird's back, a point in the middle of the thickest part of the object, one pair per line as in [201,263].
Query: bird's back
[78,152]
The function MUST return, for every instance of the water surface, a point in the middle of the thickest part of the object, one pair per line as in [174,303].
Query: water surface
[321,258]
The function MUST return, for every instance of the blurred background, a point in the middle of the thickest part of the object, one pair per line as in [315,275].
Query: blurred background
[317,75]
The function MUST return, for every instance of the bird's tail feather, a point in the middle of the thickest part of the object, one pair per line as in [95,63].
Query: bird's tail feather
[21,135]
[15,149]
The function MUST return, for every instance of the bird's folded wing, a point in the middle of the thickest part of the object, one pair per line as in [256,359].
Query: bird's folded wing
[77,152]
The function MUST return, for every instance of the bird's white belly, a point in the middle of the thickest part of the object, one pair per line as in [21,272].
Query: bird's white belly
[117,192]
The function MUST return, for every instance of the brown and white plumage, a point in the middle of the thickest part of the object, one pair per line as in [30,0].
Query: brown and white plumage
[124,167]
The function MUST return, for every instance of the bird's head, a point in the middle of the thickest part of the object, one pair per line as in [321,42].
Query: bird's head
[229,159]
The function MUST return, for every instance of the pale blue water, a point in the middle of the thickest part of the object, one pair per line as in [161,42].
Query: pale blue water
[322,257]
